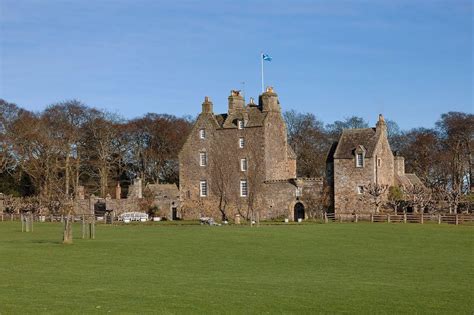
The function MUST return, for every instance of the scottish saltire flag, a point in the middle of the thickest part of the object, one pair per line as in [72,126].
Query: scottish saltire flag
[266,57]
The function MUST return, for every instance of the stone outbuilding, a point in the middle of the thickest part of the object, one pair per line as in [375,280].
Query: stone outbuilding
[362,157]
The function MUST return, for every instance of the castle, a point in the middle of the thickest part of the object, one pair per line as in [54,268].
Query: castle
[240,164]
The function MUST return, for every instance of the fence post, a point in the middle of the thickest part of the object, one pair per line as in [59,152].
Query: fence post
[439,218]
[388,218]
[340,218]
[421,218]
[83,227]
[356,218]
[457,219]
[371,218]
[405,218]
[325,217]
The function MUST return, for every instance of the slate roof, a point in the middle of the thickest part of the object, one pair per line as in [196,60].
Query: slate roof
[351,138]
[409,180]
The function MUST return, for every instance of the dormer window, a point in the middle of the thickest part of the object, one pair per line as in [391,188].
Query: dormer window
[360,159]
[240,124]
[202,133]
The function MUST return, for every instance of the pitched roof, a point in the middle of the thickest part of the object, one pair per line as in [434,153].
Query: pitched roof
[253,116]
[409,180]
[352,138]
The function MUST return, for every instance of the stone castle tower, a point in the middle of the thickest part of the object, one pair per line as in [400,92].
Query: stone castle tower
[239,162]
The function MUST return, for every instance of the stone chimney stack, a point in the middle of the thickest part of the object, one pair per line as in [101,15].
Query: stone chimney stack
[381,126]
[399,164]
[118,191]
[236,101]
[269,101]
[207,106]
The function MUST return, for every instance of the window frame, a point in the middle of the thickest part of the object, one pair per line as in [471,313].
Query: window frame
[360,189]
[203,159]
[243,162]
[202,133]
[203,188]
[244,188]
[241,142]
[361,155]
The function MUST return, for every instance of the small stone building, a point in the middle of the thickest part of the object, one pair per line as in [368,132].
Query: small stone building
[240,163]
[362,157]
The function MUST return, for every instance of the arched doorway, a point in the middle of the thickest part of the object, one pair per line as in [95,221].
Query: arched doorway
[299,211]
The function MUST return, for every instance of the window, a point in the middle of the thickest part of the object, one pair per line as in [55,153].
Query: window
[360,190]
[203,188]
[202,159]
[243,188]
[202,133]
[240,124]
[241,142]
[243,165]
[360,160]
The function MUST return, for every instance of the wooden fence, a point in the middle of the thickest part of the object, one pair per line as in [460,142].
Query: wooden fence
[401,218]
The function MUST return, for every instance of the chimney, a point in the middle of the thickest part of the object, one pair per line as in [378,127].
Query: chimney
[269,101]
[381,126]
[207,106]
[236,101]
[118,191]
[399,164]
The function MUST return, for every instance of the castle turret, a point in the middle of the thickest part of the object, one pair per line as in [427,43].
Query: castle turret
[236,101]
[207,106]
[269,101]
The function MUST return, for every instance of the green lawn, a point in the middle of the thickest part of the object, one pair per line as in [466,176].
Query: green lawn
[316,268]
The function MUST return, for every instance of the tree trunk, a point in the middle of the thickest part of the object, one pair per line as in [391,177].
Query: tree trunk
[66,190]
[67,234]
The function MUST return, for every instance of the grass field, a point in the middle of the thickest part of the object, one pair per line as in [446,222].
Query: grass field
[317,268]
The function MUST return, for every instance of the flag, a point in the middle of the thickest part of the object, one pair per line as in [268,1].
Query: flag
[266,57]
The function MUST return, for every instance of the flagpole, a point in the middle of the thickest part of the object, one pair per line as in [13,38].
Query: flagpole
[261,61]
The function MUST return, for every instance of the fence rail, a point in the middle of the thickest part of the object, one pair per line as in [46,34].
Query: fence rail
[401,218]
[456,219]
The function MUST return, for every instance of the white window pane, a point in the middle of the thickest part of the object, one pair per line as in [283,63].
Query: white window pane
[243,188]
[202,159]
[243,165]
[203,188]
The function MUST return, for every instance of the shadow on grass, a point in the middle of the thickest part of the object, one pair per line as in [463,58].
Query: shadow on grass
[46,242]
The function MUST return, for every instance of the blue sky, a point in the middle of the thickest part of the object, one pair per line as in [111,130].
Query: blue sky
[410,60]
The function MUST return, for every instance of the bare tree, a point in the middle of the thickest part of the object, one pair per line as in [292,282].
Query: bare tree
[396,197]
[419,197]
[374,193]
